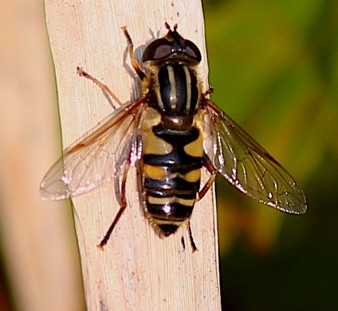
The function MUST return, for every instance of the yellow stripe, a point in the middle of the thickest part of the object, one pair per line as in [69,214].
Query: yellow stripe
[154,172]
[156,86]
[169,200]
[186,202]
[158,222]
[192,176]
[160,201]
[173,90]
[151,144]
[195,148]
[188,80]
[154,145]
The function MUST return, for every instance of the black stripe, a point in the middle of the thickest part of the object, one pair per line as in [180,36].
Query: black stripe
[175,211]
[169,193]
[178,159]
[194,101]
[176,137]
[172,185]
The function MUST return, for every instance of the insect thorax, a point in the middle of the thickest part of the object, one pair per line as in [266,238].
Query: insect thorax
[175,90]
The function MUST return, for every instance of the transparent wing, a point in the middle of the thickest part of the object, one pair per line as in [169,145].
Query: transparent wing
[96,158]
[248,167]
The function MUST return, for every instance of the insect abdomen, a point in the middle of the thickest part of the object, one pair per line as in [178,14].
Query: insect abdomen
[171,176]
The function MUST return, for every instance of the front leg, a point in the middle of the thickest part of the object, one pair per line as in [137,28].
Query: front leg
[105,89]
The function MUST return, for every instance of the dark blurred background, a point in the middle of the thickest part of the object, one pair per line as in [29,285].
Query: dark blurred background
[274,69]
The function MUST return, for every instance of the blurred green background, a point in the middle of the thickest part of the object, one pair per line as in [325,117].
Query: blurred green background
[274,69]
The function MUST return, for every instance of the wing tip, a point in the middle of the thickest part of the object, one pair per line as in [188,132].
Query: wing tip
[53,196]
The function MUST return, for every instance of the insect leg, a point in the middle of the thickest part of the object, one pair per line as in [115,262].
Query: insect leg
[208,92]
[210,167]
[122,207]
[102,86]
[183,242]
[213,173]
[134,62]
[192,242]
[206,187]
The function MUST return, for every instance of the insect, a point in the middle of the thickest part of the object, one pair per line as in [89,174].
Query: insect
[170,133]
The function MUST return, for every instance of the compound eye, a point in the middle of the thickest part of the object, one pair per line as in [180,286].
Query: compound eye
[183,49]
[192,51]
[157,50]
[162,51]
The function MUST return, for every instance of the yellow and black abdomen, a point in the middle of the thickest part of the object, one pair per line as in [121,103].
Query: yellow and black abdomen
[172,162]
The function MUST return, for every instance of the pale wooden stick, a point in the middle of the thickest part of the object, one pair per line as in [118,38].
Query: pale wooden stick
[137,270]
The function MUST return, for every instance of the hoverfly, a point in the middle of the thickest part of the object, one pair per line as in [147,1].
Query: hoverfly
[170,133]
